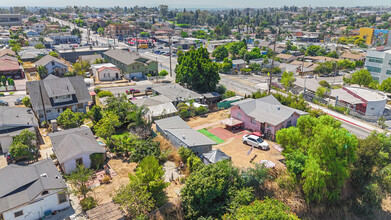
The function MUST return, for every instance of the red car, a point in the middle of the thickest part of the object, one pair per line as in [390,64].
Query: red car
[132,91]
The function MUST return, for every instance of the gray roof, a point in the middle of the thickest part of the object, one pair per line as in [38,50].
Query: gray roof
[161,109]
[151,101]
[21,184]
[215,156]
[57,86]
[210,95]
[267,109]
[17,116]
[7,138]
[176,92]
[47,59]
[126,57]
[239,61]
[172,122]
[190,137]
[70,143]
[311,84]
[344,96]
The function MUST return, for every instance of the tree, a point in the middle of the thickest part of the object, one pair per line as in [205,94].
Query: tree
[268,209]
[106,126]
[196,71]
[208,191]
[101,31]
[150,174]
[39,46]
[95,114]
[81,67]
[4,80]
[134,199]
[321,91]
[79,179]
[143,149]
[362,77]
[184,34]
[325,84]
[26,102]
[221,89]
[329,149]
[287,80]
[69,119]
[227,65]
[23,145]
[220,53]
[313,50]
[163,73]
[229,94]
[386,85]
[53,54]
[42,71]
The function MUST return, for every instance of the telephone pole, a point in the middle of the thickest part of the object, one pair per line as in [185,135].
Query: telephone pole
[272,66]
[169,46]
[43,105]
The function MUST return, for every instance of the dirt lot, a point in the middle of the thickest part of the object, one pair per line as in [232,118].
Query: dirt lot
[238,152]
[103,192]
[200,122]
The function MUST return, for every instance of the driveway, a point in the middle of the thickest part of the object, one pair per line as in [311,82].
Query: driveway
[11,98]
[239,153]
[3,161]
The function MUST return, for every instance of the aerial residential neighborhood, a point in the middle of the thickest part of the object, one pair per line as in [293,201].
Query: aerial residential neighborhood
[194,110]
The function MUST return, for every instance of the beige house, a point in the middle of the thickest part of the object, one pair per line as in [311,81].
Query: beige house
[353,57]
[286,58]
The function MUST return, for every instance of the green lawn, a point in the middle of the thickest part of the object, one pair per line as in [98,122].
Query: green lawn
[211,136]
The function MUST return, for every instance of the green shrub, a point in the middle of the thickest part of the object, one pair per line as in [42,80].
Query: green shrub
[88,203]
[185,153]
[201,110]
[97,160]
[105,93]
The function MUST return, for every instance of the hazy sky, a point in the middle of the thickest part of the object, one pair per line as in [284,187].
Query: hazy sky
[194,3]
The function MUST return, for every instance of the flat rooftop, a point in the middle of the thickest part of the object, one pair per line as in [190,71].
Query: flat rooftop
[368,94]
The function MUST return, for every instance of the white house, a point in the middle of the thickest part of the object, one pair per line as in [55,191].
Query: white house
[38,27]
[75,146]
[27,192]
[106,72]
[58,95]
[53,65]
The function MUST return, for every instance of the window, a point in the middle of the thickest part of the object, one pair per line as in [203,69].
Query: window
[53,63]
[289,124]
[372,108]
[388,72]
[45,192]
[375,60]
[253,121]
[62,197]
[80,106]
[239,116]
[373,69]
[18,213]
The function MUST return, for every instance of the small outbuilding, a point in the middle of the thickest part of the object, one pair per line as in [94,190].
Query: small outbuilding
[214,156]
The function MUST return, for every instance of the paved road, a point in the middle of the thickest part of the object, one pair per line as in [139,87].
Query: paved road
[11,98]
[164,61]
[140,86]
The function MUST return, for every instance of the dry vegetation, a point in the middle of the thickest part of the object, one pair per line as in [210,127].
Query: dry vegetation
[210,118]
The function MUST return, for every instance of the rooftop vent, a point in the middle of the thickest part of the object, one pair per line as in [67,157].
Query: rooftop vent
[44,175]
[183,136]
[278,107]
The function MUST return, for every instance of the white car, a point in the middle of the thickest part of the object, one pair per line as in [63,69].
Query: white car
[255,141]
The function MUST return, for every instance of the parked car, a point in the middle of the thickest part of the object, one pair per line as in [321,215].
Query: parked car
[134,91]
[255,141]
[157,52]
[3,103]
[160,48]
[148,88]
[309,76]
[18,101]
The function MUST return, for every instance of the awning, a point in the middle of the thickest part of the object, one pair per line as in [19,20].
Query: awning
[230,122]
[92,93]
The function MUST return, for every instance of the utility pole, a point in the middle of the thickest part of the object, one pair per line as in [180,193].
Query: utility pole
[305,78]
[272,66]
[43,105]
[169,46]
[135,31]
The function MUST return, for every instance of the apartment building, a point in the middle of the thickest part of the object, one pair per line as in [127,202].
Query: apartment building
[378,63]
[10,19]
[118,30]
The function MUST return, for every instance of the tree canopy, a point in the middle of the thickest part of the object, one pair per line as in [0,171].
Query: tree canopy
[196,71]
[362,77]
[328,151]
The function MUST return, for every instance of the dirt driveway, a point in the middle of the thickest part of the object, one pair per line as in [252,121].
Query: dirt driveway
[238,152]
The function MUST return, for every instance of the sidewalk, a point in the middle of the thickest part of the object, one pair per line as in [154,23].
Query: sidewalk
[347,118]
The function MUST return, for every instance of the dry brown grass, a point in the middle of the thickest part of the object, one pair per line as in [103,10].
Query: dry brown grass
[210,118]
[166,146]
[104,192]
